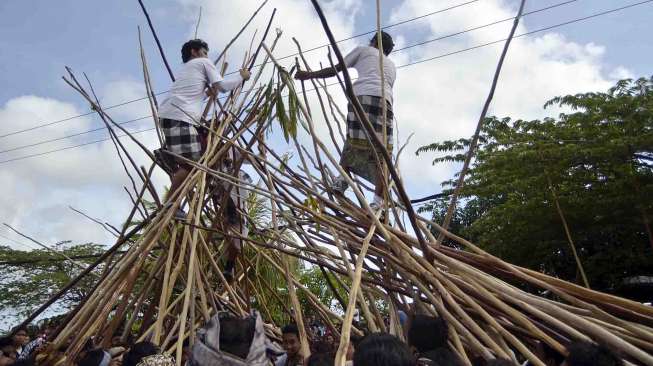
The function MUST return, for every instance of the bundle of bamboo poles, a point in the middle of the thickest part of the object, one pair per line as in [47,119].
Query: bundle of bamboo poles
[167,281]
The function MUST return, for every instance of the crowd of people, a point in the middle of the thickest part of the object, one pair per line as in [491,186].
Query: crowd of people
[231,341]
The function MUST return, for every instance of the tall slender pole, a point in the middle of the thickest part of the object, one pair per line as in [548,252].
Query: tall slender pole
[479,126]
[384,107]
[156,38]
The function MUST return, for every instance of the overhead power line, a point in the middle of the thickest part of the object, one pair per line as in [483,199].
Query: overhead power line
[71,136]
[71,147]
[398,67]
[285,57]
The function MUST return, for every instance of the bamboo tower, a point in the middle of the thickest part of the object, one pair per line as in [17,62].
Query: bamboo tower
[167,280]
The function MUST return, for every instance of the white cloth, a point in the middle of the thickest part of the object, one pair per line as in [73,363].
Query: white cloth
[188,91]
[365,60]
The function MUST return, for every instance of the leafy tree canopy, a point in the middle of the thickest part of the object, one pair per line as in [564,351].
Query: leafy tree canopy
[29,278]
[597,159]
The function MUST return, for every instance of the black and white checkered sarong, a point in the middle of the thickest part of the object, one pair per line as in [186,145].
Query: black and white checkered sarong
[358,155]
[374,110]
[181,138]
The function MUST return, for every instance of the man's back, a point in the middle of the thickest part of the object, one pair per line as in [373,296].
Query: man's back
[365,60]
[188,91]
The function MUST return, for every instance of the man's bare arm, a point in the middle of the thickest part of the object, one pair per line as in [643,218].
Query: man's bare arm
[320,74]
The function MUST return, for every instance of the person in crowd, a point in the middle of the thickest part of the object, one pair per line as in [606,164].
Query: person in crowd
[427,333]
[358,155]
[546,354]
[7,348]
[139,351]
[157,360]
[353,341]
[95,357]
[291,344]
[39,341]
[180,112]
[583,353]
[439,357]
[321,359]
[382,349]
[19,339]
[7,352]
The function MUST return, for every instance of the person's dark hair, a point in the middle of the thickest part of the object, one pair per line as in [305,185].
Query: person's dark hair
[18,329]
[590,354]
[382,349]
[550,354]
[355,339]
[92,358]
[321,346]
[6,341]
[427,333]
[236,334]
[441,357]
[193,44]
[137,352]
[321,359]
[386,41]
[290,329]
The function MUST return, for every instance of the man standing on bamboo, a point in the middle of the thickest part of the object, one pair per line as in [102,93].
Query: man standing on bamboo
[358,155]
[181,111]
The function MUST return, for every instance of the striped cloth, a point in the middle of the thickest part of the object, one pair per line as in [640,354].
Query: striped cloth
[373,108]
[181,138]
[358,155]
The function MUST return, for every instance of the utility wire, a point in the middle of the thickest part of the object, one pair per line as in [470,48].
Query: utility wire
[72,147]
[70,136]
[398,67]
[285,57]
[528,33]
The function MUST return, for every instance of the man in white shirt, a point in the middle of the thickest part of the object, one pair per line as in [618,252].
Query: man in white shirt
[358,155]
[182,110]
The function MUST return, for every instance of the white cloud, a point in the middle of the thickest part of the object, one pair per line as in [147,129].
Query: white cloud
[443,99]
[89,178]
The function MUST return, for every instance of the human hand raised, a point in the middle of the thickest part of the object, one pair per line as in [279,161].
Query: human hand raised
[245,74]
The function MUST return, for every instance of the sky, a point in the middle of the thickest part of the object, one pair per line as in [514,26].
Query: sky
[435,100]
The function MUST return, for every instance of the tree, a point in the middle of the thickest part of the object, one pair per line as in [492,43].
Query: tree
[596,162]
[31,277]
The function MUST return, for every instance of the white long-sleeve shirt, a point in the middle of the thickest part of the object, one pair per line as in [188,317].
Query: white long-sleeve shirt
[188,91]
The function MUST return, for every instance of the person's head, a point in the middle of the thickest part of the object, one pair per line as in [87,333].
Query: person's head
[386,41]
[321,359]
[20,337]
[590,354]
[7,347]
[382,349]
[548,355]
[290,340]
[442,357]
[427,333]
[195,48]
[96,357]
[137,352]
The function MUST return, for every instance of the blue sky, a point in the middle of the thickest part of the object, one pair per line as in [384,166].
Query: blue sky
[39,37]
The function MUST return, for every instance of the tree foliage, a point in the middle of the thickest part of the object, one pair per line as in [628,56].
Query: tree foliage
[597,159]
[31,277]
